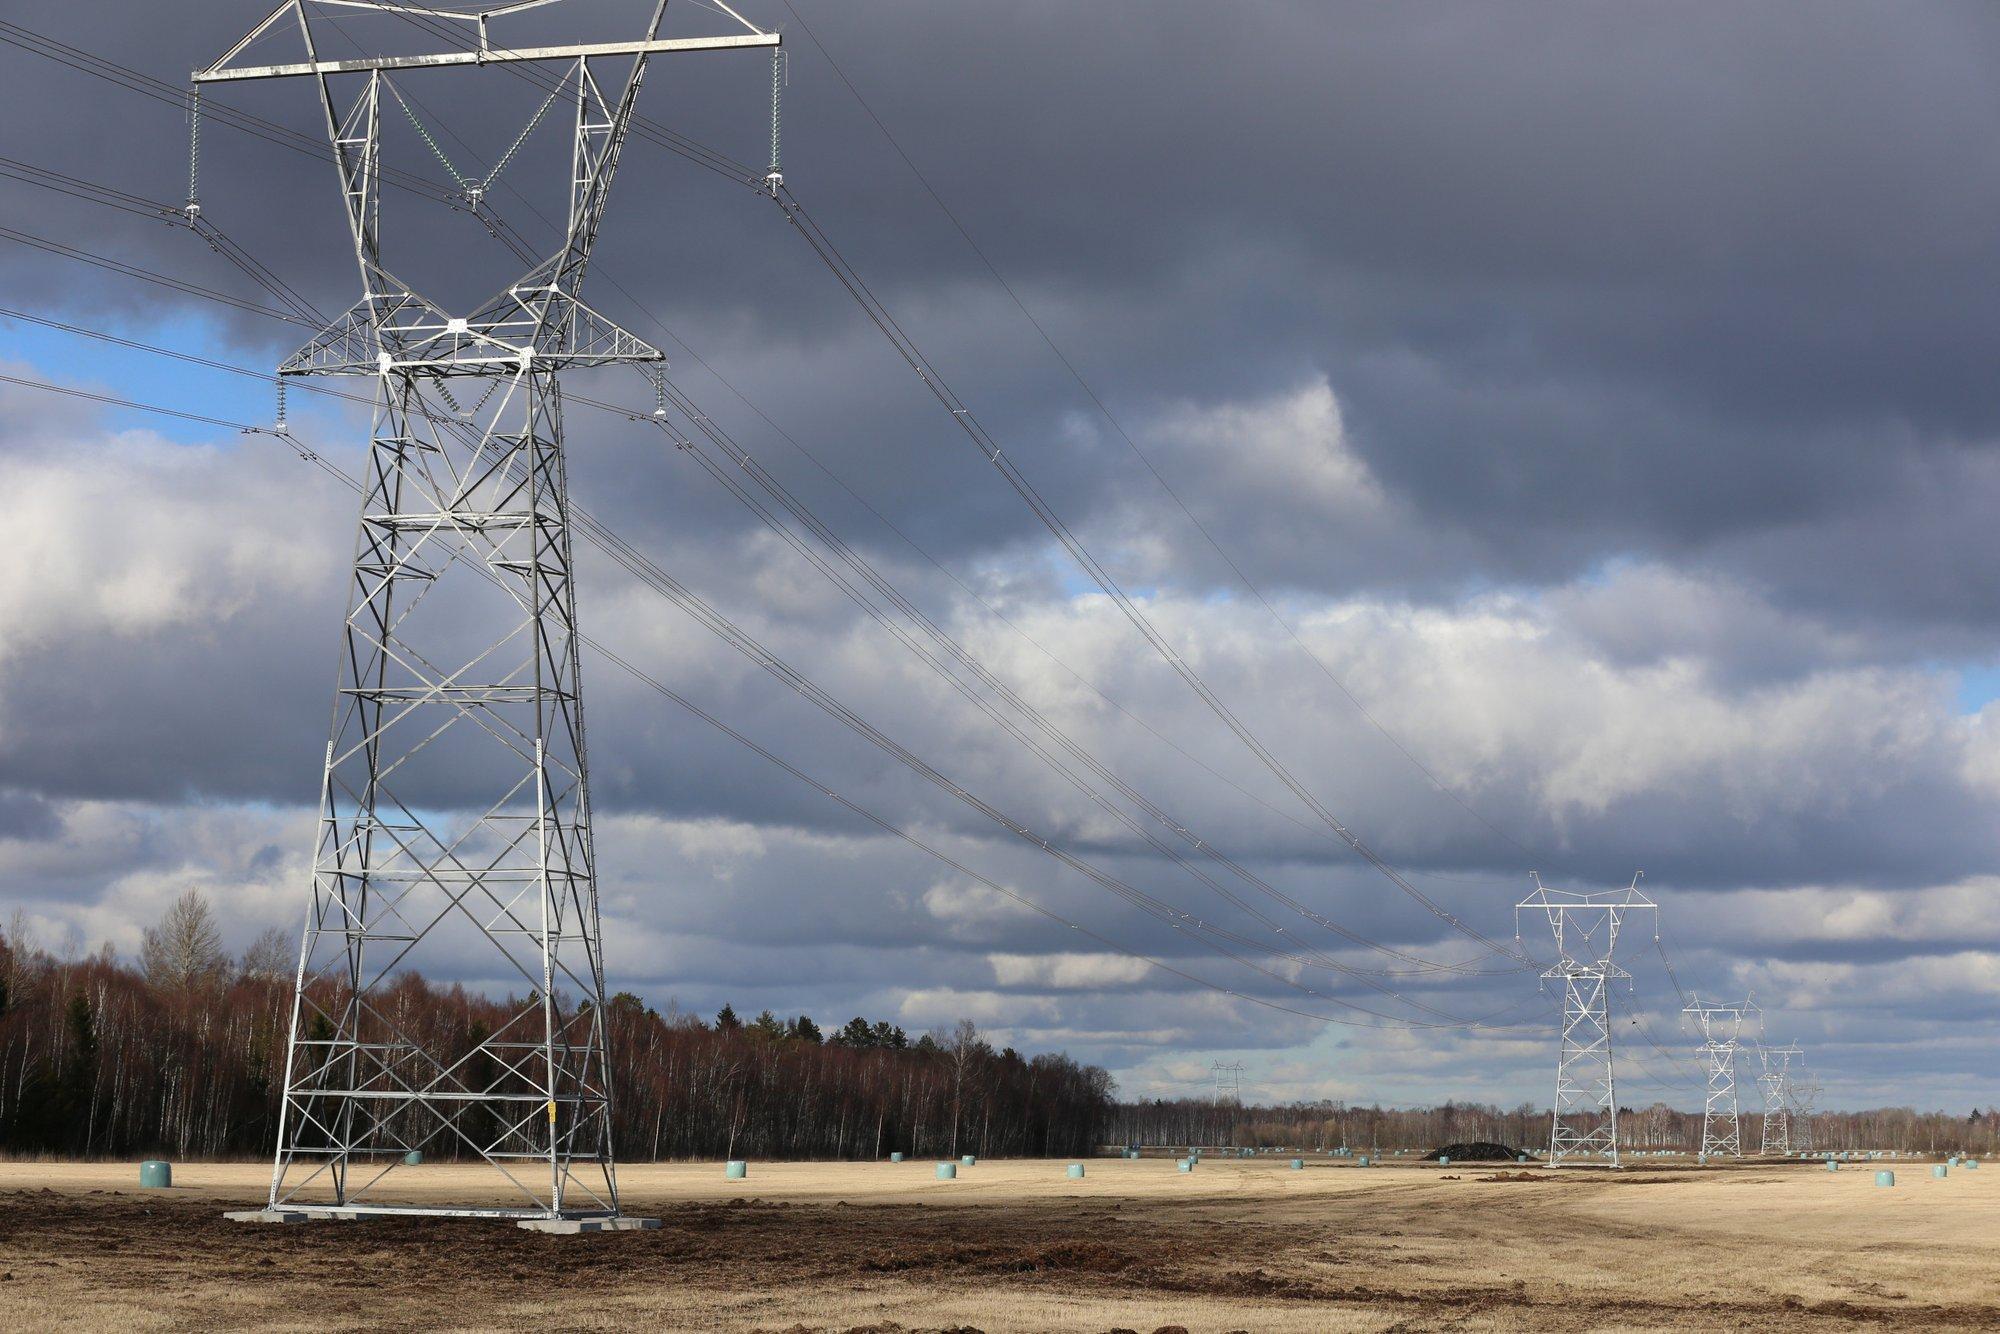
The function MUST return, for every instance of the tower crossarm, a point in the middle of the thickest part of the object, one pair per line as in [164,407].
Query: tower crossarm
[447,58]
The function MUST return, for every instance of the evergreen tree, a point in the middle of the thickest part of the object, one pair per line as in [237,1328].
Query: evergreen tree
[854,1033]
[79,1079]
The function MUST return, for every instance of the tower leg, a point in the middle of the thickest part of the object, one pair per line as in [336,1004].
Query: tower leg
[1585,1119]
[455,829]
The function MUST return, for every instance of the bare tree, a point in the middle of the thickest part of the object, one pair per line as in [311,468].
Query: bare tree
[184,951]
[962,1050]
[270,957]
[19,956]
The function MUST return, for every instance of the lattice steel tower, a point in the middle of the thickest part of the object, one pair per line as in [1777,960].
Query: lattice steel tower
[1584,1120]
[1721,1026]
[1804,1095]
[1774,1079]
[455,822]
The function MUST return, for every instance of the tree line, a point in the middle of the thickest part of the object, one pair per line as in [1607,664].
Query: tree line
[183,1054]
[1184,1122]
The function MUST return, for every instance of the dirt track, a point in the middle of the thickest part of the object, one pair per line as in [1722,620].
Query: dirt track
[1017,1246]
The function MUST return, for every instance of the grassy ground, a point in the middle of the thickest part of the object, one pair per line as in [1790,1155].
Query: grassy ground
[1015,1245]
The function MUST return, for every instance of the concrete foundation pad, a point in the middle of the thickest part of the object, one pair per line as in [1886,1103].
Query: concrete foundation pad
[569,1227]
[266,1216]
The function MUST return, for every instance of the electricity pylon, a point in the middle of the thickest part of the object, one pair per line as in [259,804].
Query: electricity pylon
[1804,1109]
[1721,1025]
[1774,1080]
[455,821]
[1584,1120]
[1228,1081]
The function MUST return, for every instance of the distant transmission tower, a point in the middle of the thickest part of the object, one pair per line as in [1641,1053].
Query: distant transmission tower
[1584,1121]
[455,821]
[1721,1025]
[1228,1081]
[1774,1079]
[1805,1110]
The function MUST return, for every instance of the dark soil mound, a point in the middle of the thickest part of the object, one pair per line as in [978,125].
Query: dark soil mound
[1477,1152]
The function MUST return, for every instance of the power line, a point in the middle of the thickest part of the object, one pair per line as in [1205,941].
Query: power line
[113,400]
[1211,935]
[1425,963]
[1321,960]
[124,76]
[747,466]
[823,246]
[644,570]
[764,480]
[1133,445]
[141,81]
[147,275]
[306,454]
[990,449]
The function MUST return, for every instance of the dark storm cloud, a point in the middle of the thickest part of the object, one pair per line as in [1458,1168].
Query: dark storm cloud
[26,815]
[1589,281]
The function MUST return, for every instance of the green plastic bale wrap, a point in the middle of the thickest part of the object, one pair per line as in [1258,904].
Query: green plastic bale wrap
[1185,1164]
[1832,1166]
[1076,1171]
[1940,1171]
[1298,1164]
[1444,1160]
[1362,1161]
[969,1160]
[735,1169]
[1885,1178]
[1971,1163]
[155,1175]
[414,1158]
[896,1157]
[1520,1157]
[946,1171]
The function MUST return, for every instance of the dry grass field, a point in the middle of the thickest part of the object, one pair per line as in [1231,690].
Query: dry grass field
[1234,1245]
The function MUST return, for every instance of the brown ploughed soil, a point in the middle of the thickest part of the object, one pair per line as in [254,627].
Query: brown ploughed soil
[1016,1246]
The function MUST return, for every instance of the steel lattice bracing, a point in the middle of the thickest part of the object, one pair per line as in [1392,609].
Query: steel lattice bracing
[1228,1081]
[1774,1080]
[455,830]
[1804,1107]
[1584,1120]
[1721,1124]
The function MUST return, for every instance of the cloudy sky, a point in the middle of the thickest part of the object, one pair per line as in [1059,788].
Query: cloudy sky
[1602,395]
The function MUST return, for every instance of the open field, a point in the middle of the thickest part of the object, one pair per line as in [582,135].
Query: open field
[1015,1245]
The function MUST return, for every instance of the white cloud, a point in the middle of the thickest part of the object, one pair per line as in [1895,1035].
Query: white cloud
[1067,972]
[725,879]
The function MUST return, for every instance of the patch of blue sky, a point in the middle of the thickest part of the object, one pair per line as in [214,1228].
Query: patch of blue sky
[1978,685]
[81,362]
[1602,573]
[1077,584]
